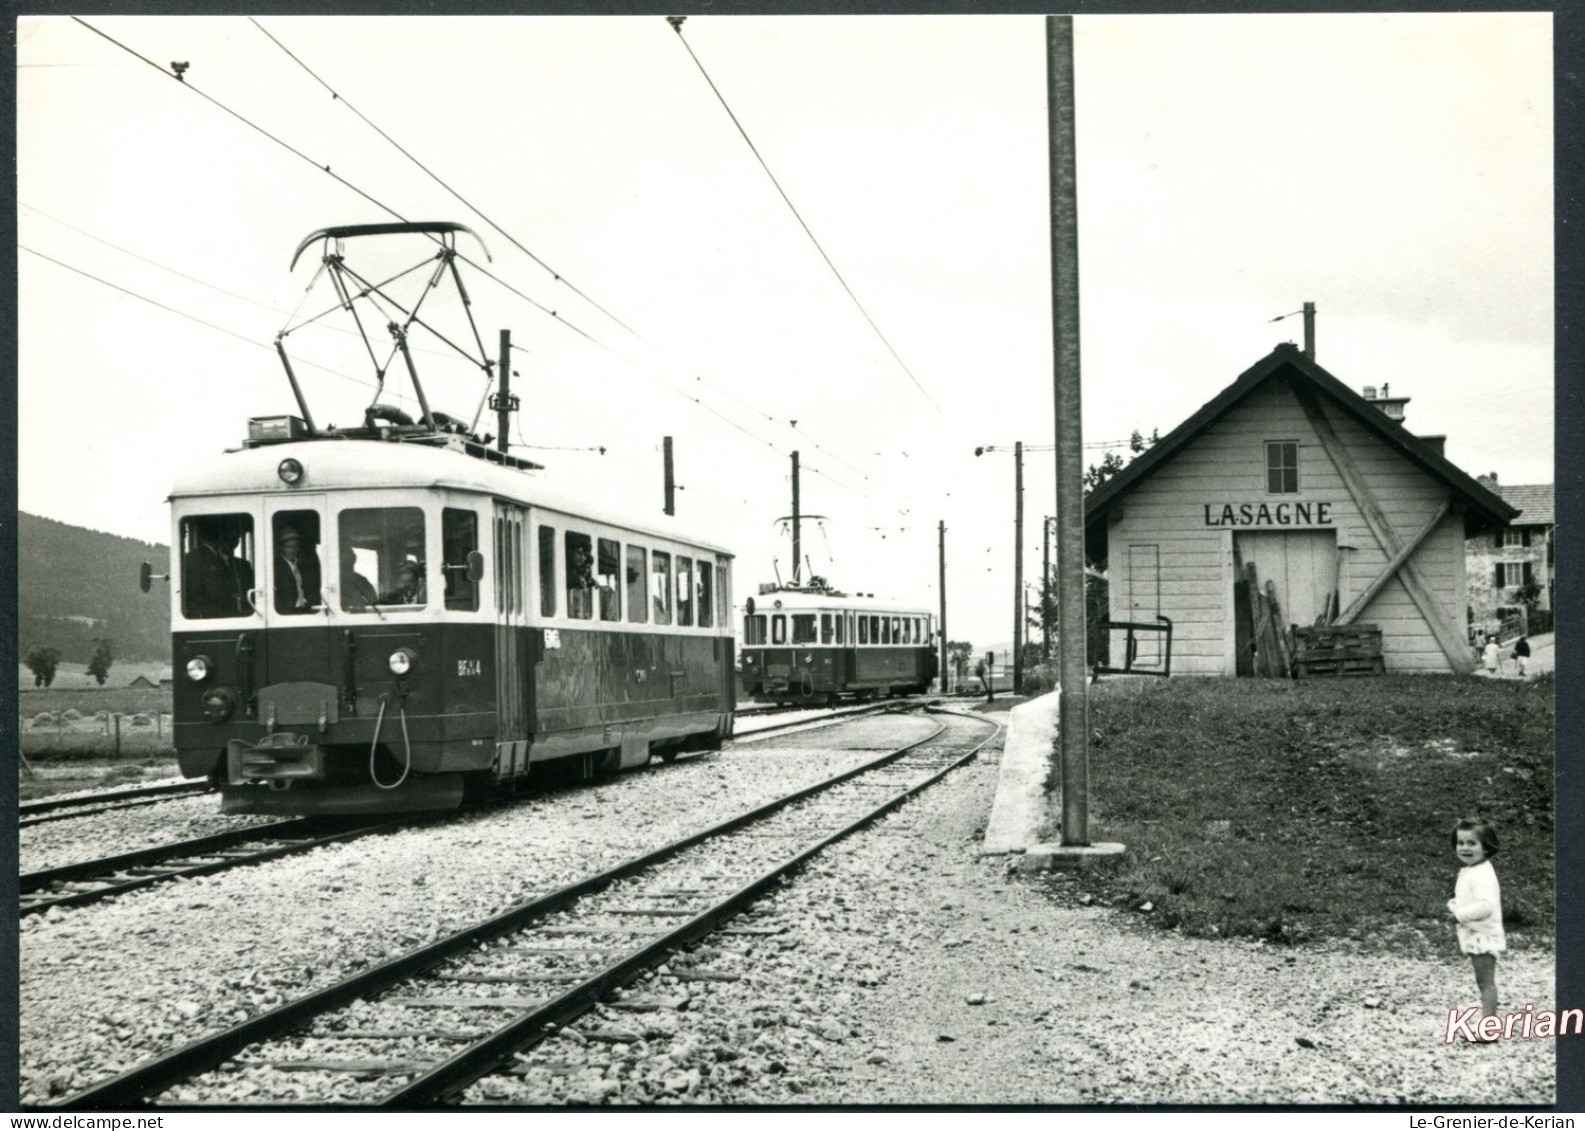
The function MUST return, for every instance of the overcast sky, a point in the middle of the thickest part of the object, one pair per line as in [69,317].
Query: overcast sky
[1393,169]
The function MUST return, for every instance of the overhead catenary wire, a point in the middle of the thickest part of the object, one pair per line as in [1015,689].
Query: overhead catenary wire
[676,25]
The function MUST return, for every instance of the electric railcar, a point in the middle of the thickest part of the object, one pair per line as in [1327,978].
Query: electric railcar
[814,644]
[382,619]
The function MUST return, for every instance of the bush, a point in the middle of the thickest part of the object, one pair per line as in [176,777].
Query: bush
[142,720]
[43,719]
[71,715]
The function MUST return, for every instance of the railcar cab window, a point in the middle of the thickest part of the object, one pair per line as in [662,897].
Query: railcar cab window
[827,633]
[754,629]
[637,579]
[580,576]
[609,562]
[295,569]
[684,590]
[660,585]
[704,581]
[804,628]
[217,566]
[1282,467]
[547,571]
[778,629]
[385,547]
[459,536]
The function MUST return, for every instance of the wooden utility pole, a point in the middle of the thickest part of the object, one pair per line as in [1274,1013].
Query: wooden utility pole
[671,483]
[1018,565]
[1073,713]
[1309,330]
[504,401]
[1045,596]
[941,531]
[797,531]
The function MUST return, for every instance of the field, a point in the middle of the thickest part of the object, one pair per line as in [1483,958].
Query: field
[1318,810]
[49,730]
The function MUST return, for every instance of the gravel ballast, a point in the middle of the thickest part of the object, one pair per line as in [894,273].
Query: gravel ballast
[106,986]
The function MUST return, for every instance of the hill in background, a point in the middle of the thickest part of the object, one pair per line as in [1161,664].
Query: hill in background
[76,585]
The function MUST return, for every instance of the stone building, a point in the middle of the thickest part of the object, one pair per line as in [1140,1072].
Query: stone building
[1336,503]
[1503,563]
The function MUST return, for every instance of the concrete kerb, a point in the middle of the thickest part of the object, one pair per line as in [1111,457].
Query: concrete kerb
[1019,810]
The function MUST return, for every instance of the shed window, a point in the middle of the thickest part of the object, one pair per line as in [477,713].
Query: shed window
[1282,467]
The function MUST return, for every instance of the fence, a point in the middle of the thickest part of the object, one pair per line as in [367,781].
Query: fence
[69,734]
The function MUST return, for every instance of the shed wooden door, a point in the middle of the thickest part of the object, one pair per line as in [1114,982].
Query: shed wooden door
[1301,564]
[1144,602]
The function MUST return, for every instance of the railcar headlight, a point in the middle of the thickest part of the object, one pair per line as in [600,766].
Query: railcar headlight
[290,471]
[198,669]
[403,661]
[218,704]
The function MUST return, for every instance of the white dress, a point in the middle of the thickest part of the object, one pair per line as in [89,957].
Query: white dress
[1477,903]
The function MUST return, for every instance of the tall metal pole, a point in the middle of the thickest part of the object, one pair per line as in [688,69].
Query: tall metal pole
[671,483]
[503,411]
[1073,711]
[797,529]
[941,528]
[1018,566]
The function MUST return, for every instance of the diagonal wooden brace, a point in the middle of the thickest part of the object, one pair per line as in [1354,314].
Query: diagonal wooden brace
[1357,605]
[1448,638]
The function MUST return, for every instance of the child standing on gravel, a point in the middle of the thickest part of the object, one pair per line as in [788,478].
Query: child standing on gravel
[1477,905]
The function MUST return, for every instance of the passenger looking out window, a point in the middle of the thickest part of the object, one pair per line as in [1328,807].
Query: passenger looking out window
[580,576]
[217,566]
[386,547]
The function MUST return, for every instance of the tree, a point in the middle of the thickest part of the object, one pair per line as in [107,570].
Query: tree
[1112,463]
[42,662]
[958,653]
[99,663]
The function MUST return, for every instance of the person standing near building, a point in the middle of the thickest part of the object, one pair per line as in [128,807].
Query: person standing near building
[1491,655]
[1521,655]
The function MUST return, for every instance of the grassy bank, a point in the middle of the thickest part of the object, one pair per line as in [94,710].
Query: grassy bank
[1318,809]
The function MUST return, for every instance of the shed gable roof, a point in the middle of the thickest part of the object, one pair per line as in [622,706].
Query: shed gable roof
[1484,508]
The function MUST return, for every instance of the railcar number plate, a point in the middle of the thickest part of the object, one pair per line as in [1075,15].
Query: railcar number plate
[470,667]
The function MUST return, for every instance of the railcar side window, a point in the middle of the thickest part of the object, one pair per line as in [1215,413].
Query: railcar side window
[886,630]
[778,629]
[295,570]
[754,629]
[547,571]
[637,579]
[864,630]
[459,536]
[217,566]
[610,563]
[875,629]
[705,580]
[580,575]
[660,585]
[897,630]
[826,631]
[684,590]
[919,631]
[840,620]
[384,547]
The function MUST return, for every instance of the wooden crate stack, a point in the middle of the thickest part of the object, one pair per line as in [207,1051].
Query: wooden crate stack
[1352,649]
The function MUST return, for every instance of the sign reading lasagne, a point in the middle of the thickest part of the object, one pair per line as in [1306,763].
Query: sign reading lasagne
[1274,515]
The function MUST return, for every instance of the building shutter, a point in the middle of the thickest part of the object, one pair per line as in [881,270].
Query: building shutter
[1497,540]
[1496,576]
[1524,533]
[1526,573]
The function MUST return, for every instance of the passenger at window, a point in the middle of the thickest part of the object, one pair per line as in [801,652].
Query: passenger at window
[409,588]
[580,583]
[357,591]
[296,574]
[216,582]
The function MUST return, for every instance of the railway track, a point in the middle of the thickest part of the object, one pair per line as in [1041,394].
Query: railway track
[38,812]
[89,881]
[421,1028]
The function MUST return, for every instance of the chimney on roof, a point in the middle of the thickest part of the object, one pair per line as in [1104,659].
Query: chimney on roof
[1370,392]
[1489,480]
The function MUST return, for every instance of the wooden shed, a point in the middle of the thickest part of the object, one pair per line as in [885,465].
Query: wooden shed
[1349,516]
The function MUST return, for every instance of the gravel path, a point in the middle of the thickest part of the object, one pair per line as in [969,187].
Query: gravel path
[106,986]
